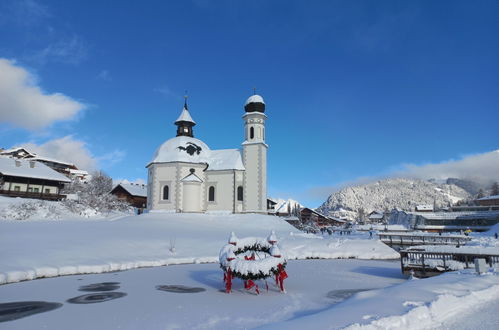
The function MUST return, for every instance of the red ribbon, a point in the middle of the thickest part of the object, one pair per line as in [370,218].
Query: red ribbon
[280,277]
[228,280]
[248,284]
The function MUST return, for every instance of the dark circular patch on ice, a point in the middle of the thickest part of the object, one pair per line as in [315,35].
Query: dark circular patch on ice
[16,310]
[96,297]
[97,287]
[179,288]
[340,295]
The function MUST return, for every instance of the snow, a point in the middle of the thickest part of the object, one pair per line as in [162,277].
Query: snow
[254,99]
[185,116]
[169,151]
[134,189]
[414,304]
[224,159]
[39,171]
[104,245]
[488,198]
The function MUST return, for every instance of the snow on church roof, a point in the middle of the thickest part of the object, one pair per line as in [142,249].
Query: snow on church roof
[254,99]
[192,178]
[182,149]
[191,150]
[185,116]
[225,159]
[39,171]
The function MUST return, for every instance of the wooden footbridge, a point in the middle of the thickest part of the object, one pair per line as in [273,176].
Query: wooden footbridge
[435,260]
[400,240]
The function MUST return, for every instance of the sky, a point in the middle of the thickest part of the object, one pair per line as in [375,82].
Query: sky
[353,89]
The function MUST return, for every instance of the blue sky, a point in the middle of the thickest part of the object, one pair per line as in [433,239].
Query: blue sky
[353,88]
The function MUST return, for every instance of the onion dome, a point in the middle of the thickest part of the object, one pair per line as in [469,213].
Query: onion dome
[254,103]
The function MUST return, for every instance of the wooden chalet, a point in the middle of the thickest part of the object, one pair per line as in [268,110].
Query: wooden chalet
[133,193]
[489,201]
[376,217]
[310,216]
[30,179]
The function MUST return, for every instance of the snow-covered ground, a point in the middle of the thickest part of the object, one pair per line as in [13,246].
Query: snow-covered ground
[45,248]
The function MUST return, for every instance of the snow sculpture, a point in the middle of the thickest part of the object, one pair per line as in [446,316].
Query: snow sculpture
[252,259]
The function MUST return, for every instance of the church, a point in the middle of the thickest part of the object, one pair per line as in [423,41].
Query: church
[185,175]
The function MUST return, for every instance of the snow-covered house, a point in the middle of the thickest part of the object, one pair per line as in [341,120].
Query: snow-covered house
[134,193]
[376,217]
[29,178]
[488,200]
[185,175]
[424,208]
[64,167]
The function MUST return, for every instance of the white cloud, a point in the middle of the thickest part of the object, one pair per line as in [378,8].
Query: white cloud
[111,158]
[482,168]
[69,50]
[104,75]
[65,149]
[24,104]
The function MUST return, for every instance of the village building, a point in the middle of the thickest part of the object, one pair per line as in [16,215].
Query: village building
[309,217]
[489,201]
[376,217]
[424,208]
[185,175]
[68,169]
[30,179]
[134,194]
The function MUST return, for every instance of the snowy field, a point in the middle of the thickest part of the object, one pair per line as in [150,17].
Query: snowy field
[358,291]
[46,248]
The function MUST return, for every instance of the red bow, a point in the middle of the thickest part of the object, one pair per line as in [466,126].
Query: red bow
[280,277]
[228,280]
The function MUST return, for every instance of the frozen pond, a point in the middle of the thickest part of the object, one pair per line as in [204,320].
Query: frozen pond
[189,296]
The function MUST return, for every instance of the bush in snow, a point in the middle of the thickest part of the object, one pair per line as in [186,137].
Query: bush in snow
[31,208]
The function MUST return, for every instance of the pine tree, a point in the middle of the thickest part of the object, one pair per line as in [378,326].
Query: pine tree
[494,189]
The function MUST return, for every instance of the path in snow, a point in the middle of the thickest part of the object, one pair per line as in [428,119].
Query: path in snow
[313,286]
[478,317]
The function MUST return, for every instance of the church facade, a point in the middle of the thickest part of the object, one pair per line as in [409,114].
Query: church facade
[185,175]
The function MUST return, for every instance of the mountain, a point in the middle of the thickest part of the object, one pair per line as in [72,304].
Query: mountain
[387,194]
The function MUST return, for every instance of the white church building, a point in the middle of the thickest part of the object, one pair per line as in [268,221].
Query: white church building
[185,175]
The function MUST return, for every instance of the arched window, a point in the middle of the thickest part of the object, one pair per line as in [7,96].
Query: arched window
[166,191]
[211,194]
[240,193]
[252,133]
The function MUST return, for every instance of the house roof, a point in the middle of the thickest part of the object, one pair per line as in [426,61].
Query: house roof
[488,198]
[39,171]
[133,189]
[424,207]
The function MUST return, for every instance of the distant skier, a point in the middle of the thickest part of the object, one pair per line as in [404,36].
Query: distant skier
[495,235]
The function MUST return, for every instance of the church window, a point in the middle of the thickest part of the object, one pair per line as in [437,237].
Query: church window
[166,192]
[211,194]
[240,193]
[252,133]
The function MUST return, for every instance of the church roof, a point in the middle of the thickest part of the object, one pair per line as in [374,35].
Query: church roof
[225,159]
[182,149]
[185,116]
[254,99]
[191,150]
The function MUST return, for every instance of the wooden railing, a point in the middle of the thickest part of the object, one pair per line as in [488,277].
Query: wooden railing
[428,263]
[408,239]
[29,194]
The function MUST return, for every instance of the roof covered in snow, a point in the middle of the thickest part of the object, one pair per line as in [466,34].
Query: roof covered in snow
[134,189]
[254,99]
[424,207]
[185,116]
[488,198]
[191,150]
[39,171]
[225,159]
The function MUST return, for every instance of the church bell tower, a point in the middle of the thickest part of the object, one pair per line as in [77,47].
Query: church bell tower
[255,156]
